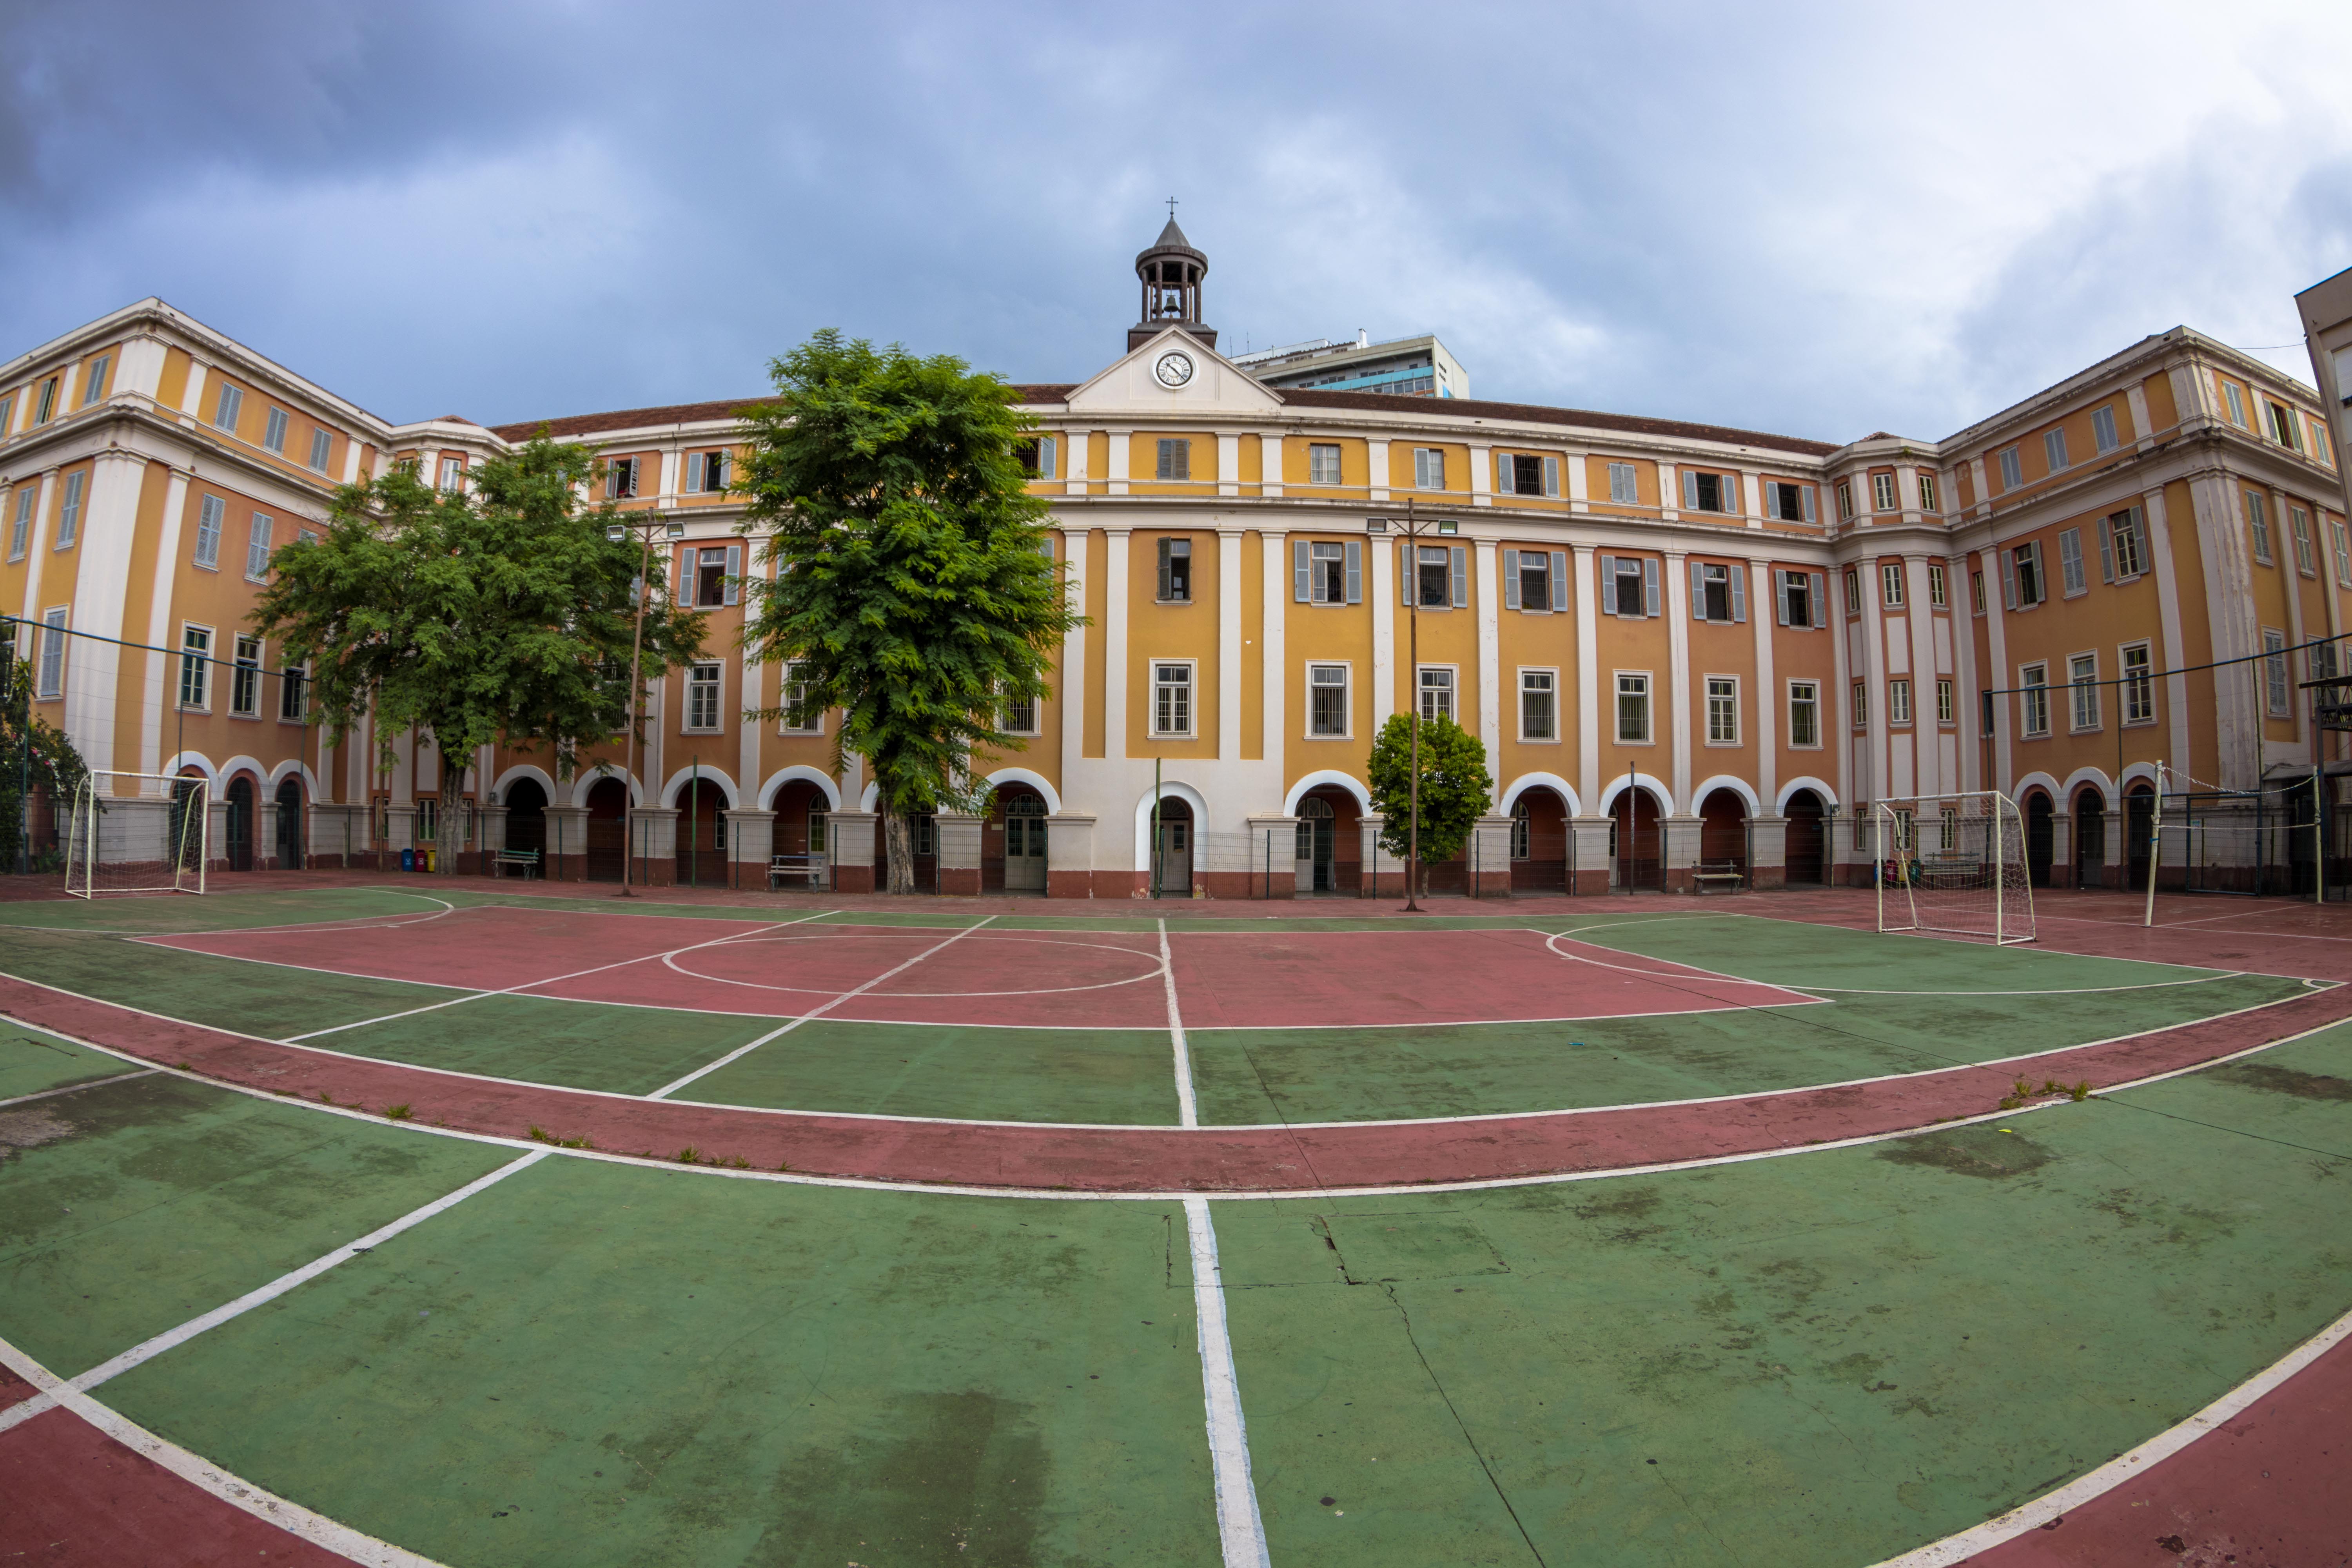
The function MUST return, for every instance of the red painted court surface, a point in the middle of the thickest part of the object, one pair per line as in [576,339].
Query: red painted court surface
[1245,978]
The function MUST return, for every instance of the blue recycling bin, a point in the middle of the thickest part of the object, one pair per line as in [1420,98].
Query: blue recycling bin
[408,859]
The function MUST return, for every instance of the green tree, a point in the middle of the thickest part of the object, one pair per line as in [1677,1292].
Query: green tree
[1455,790]
[915,589]
[35,758]
[498,614]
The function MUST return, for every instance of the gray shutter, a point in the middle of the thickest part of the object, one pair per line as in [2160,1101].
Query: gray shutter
[1740,592]
[1690,490]
[1781,583]
[1551,475]
[1502,477]
[1560,579]
[1608,585]
[2007,581]
[1300,572]
[1355,571]
[1649,586]
[2041,577]
[1047,454]
[1183,459]
[1164,584]
[1461,577]
[1407,570]
[2106,553]
[1820,607]
[734,574]
[1510,579]
[1805,495]
[693,473]
[2139,538]
[1698,590]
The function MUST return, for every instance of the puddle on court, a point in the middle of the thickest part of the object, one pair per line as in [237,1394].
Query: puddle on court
[1981,1151]
[23,1129]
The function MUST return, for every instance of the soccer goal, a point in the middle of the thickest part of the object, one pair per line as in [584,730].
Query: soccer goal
[2259,843]
[1955,864]
[137,833]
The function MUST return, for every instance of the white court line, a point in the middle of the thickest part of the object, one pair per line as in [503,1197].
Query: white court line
[206,1476]
[817,1012]
[1956,1548]
[510,990]
[1690,970]
[147,1349]
[346,923]
[2053,991]
[669,961]
[1188,1109]
[77,1088]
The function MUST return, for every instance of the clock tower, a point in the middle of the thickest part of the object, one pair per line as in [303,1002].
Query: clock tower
[1171,273]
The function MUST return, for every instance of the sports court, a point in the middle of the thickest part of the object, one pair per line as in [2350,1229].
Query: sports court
[786,1230]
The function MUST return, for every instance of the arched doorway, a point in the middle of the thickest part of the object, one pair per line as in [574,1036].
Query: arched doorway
[608,830]
[804,826]
[2041,838]
[1328,854]
[2139,827]
[527,818]
[1012,855]
[188,795]
[702,835]
[1723,837]
[1539,841]
[1634,858]
[239,826]
[289,824]
[2090,838]
[1172,858]
[1807,852]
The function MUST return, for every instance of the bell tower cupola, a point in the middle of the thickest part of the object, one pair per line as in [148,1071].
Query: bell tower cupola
[1171,273]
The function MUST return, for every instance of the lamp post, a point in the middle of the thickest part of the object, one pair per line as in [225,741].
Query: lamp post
[1413,530]
[643,525]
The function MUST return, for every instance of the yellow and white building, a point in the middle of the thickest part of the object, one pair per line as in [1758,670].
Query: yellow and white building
[1737,635]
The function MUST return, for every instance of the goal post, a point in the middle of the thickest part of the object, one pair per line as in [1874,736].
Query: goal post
[137,833]
[1954,865]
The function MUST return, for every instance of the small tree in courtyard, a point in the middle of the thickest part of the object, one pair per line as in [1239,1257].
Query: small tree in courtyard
[498,614]
[1455,790]
[915,588]
[37,759]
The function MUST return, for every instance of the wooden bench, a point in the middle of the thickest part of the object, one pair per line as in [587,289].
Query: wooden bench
[783,867]
[1708,871]
[524,860]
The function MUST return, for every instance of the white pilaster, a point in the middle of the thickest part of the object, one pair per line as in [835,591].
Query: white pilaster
[1482,478]
[1587,682]
[101,585]
[1075,443]
[1229,463]
[1380,587]
[1926,734]
[2000,678]
[1766,699]
[1120,445]
[1488,603]
[1678,675]
[1377,478]
[159,625]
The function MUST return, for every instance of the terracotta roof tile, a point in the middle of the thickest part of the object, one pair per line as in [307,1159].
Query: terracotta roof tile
[628,419]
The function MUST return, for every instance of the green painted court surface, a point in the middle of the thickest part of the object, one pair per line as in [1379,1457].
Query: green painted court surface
[1830,1357]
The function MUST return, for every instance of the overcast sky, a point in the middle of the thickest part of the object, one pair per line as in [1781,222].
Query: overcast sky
[1819,221]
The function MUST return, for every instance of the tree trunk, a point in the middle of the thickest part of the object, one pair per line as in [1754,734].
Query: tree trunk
[899,839]
[449,831]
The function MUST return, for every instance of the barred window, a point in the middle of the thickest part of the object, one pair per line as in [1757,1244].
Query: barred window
[1537,705]
[1171,698]
[1326,699]
[702,687]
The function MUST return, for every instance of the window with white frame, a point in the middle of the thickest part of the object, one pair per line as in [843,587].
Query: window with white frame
[49,681]
[274,428]
[1327,573]
[1939,594]
[799,719]
[195,666]
[322,447]
[1539,705]
[2069,561]
[428,818]
[1326,701]
[2138,686]
[1520,824]
[2127,541]
[620,478]
[1800,594]
[2020,568]
[1629,586]
[70,509]
[2083,678]
[1853,591]
[2275,698]
[257,547]
[7,412]
[1175,570]
[1946,708]
[1976,591]
[1175,458]
[1718,591]
[706,472]
[1632,709]
[2053,449]
[2258,525]
[1805,713]
[1890,584]
[2235,398]
[1928,492]
[2282,427]
[1710,492]
[1019,716]
[715,575]
[94,387]
[819,828]
[245,678]
[2033,698]
[1323,462]
[1429,468]
[1436,685]
[1171,698]
[702,696]
[1882,492]
[293,693]
[2340,542]
[1861,698]
[210,516]
[1845,498]
[20,524]
[2103,428]
[1439,578]
[1624,488]
[1722,710]
[2012,469]
[45,404]
[1535,581]
[1898,701]
[453,474]
[2306,554]
[228,406]
[1525,474]
[1785,503]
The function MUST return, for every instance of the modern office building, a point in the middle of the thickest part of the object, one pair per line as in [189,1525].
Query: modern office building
[1679,642]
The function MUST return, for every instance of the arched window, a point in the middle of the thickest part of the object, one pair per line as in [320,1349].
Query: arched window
[1519,830]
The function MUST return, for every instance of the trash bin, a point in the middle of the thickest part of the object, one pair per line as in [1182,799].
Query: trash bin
[408,859]
[428,861]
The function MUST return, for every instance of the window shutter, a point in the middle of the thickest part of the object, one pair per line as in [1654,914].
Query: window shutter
[1608,585]
[2070,558]
[1460,577]
[1510,579]
[734,574]
[1184,460]
[1299,573]
[1649,586]
[2041,578]
[1819,609]
[1164,567]
[2139,538]
[1560,579]
[1503,476]
[694,473]
[1690,490]
[1698,590]
[1740,592]
[1355,571]
[2107,554]
[1551,475]
[1408,573]
[2007,581]
[1781,583]
[1046,455]
[1805,495]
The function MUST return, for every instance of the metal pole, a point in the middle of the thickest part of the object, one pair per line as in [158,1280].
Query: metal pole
[2155,845]
[1999,874]
[694,824]
[636,689]
[1155,827]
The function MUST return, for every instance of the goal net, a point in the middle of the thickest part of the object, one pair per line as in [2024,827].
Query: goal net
[137,833]
[2252,842]
[1954,864]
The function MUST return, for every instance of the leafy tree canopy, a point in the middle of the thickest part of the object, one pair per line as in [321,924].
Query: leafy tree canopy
[1455,790]
[501,613]
[35,758]
[915,588]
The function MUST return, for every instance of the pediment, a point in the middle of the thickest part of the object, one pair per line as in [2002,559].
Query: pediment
[1130,385]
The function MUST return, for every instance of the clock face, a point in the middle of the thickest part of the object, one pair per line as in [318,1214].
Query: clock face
[1174,369]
